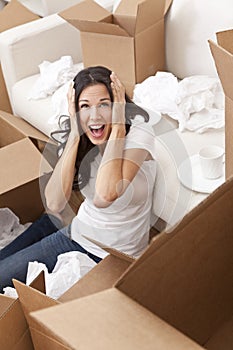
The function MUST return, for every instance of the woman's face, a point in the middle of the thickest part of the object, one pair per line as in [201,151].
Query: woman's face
[95,113]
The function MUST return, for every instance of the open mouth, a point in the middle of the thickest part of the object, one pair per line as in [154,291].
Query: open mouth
[97,130]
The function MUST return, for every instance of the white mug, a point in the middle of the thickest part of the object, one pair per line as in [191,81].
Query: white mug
[212,161]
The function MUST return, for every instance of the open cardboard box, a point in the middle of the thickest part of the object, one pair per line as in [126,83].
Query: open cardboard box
[12,15]
[23,167]
[15,334]
[129,42]
[223,56]
[101,277]
[177,295]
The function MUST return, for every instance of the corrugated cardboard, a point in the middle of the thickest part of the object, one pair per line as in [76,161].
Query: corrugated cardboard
[12,15]
[178,295]
[223,57]
[15,334]
[130,42]
[22,167]
[101,277]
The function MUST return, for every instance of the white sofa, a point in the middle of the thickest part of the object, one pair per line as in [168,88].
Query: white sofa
[48,7]
[22,50]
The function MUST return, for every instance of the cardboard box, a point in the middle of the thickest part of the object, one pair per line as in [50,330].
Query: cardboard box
[177,295]
[130,42]
[101,277]
[223,56]
[23,167]
[15,334]
[12,15]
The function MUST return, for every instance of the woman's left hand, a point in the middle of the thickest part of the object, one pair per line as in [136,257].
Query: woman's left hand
[118,110]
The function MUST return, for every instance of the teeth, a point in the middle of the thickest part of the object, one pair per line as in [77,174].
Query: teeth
[96,127]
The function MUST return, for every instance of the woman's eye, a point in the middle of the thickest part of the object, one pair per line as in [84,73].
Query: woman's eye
[84,106]
[104,105]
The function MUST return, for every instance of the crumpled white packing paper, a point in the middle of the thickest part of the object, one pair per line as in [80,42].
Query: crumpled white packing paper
[52,76]
[70,267]
[10,226]
[196,102]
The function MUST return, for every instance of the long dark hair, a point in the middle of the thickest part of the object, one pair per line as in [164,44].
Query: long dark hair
[87,77]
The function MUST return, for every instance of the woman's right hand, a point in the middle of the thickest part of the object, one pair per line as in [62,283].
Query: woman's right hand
[72,110]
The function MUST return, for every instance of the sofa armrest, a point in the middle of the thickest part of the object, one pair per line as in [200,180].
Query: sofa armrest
[24,47]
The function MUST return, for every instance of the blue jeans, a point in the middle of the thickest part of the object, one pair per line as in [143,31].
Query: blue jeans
[43,241]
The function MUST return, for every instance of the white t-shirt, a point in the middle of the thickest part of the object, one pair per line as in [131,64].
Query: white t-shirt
[125,224]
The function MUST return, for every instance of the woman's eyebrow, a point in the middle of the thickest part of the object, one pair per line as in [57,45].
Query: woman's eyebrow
[101,99]
[105,98]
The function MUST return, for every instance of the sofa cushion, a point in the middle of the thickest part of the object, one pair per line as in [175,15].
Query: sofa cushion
[36,112]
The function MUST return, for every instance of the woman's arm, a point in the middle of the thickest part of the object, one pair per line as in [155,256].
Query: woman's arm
[118,167]
[59,186]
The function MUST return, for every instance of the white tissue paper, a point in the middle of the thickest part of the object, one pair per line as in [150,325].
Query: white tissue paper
[196,102]
[70,267]
[59,97]
[10,226]
[52,76]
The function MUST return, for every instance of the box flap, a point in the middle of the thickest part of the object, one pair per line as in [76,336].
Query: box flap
[223,57]
[86,10]
[22,126]
[22,164]
[137,15]
[39,283]
[5,303]
[116,322]
[98,27]
[167,6]
[224,65]
[14,14]
[103,276]
[149,13]
[38,300]
[187,280]
[224,39]
[111,250]
[14,328]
